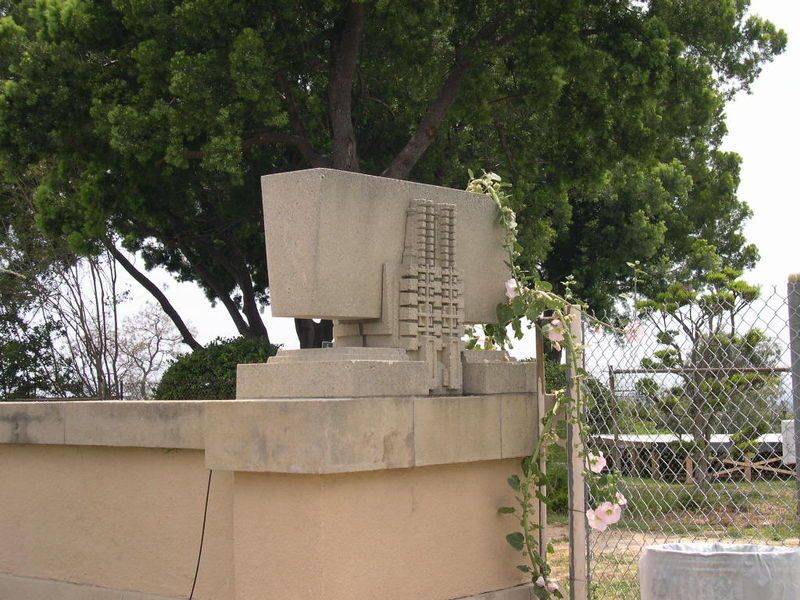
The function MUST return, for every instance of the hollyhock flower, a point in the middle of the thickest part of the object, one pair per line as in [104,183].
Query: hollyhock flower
[555,333]
[512,289]
[595,522]
[621,500]
[597,462]
[634,331]
[541,582]
[551,586]
[608,513]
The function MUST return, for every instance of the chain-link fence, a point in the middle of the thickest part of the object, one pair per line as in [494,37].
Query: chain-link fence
[693,410]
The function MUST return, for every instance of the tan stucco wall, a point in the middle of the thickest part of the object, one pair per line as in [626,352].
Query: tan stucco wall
[422,533]
[125,519]
[120,518]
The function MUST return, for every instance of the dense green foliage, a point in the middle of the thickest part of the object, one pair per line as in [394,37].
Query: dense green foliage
[155,119]
[209,373]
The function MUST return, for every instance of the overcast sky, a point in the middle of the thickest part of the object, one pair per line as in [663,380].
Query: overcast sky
[763,128]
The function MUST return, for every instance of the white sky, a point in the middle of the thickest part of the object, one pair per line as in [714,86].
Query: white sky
[763,127]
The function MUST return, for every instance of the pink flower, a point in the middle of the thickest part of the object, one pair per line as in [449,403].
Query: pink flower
[555,333]
[634,331]
[512,289]
[541,582]
[621,500]
[597,462]
[595,522]
[608,513]
[551,586]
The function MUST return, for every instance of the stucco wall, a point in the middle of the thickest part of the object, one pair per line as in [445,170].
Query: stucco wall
[119,518]
[125,523]
[400,534]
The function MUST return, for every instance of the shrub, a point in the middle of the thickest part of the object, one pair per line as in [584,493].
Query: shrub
[210,372]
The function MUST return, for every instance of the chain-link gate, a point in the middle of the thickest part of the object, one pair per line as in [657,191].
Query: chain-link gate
[694,411]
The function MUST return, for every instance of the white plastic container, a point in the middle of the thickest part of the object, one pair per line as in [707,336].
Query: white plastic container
[713,571]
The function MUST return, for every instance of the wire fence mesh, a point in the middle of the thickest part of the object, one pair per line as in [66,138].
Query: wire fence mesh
[693,410]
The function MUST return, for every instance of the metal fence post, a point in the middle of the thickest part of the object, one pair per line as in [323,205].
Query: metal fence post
[576,458]
[541,399]
[793,301]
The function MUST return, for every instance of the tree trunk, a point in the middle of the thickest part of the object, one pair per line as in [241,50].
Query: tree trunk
[700,434]
[312,334]
[344,58]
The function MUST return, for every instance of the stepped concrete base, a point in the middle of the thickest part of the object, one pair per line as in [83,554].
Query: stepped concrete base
[358,372]
[333,373]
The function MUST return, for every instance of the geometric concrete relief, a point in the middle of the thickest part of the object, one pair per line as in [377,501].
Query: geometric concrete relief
[423,302]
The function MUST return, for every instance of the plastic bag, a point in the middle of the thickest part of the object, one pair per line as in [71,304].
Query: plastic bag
[714,571]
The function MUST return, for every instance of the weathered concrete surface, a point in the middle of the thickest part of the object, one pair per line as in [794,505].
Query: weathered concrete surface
[31,423]
[152,424]
[330,232]
[313,435]
[457,429]
[138,425]
[115,518]
[358,372]
[310,436]
[367,434]
[334,378]
[492,372]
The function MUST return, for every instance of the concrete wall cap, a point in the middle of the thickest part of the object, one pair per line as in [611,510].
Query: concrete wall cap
[306,435]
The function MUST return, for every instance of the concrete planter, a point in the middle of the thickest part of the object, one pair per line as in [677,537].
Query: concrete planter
[714,571]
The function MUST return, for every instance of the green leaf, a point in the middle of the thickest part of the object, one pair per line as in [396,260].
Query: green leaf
[524,568]
[506,510]
[516,540]
[540,593]
[514,482]
[504,313]
[518,306]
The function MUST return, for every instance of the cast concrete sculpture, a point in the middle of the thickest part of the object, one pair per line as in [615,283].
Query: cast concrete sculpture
[397,265]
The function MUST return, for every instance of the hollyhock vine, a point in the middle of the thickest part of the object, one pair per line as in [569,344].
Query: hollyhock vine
[532,299]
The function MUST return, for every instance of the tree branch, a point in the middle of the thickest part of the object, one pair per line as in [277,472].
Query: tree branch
[186,335]
[344,57]
[260,137]
[238,268]
[302,139]
[433,118]
[429,125]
